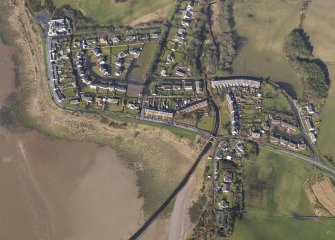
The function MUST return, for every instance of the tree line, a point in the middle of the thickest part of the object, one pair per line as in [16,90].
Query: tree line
[313,72]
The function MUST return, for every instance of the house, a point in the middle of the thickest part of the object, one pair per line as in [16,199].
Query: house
[123,54]
[283,142]
[310,109]
[225,187]
[181,72]
[154,35]
[101,60]
[96,51]
[143,37]
[188,15]
[293,146]
[170,58]
[88,99]
[256,135]
[194,106]
[119,62]
[275,121]
[235,82]
[181,31]
[158,113]
[100,100]
[185,23]
[112,100]
[216,168]
[85,80]
[130,38]
[228,177]
[163,73]
[103,40]
[302,145]
[310,124]
[115,40]
[223,204]
[120,89]
[175,47]
[75,101]
[288,127]
[178,39]
[274,139]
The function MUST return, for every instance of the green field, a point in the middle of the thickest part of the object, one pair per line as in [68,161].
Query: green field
[144,61]
[274,192]
[264,24]
[318,24]
[206,123]
[111,12]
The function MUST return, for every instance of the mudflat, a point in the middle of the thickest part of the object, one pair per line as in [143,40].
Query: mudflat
[53,189]
[6,72]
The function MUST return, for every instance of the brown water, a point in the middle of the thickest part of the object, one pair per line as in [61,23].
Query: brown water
[55,189]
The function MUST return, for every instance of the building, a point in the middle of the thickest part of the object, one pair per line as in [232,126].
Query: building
[288,127]
[233,109]
[256,135]
[274,139]
[238,82]
[59,27]
[293,146]
[228,177]
[313,137]
[310,124]
[283,142]
[158,113]
[181,72]
[115,40]
[223,204]
[194,106]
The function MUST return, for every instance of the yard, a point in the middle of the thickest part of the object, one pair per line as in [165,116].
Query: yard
[263,26]
[274,193]
[111,12]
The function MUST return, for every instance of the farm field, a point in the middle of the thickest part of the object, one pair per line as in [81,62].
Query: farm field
[111,12]
[274,192]
[263,26]
[324,191]
[318,25]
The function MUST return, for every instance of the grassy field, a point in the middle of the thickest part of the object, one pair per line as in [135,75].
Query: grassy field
[110,12]
[274,192]
[206,123]
[318,24]
[264,24]
[144,61]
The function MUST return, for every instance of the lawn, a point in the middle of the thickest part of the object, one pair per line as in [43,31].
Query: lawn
[206,123]
[274,192]
[110,12]
[264,24]
[319,21]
